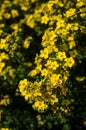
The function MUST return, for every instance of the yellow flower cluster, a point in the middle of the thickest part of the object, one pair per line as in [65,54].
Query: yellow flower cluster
[12,41]
[50,64]
[53,74]
[57,57]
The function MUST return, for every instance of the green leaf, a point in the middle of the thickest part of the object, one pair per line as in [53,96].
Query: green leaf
[49,125]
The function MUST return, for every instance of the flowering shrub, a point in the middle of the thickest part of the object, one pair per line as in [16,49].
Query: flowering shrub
[41,45]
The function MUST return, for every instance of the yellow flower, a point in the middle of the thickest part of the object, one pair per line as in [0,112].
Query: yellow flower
[38,67]
[69,62]
[44,19]
[55,49]
[14,13]
[40,106]
[70,12]
[3,44]
[50,49]
[27,96]
[30,21]
[24,8]
[53,99]
[51,35]
[14,26]
[71,38]
[7,15]
[60,24]
[75,27]
[52,65]
[68,27]
[22,84]
[65,78]
[2,25]
[48,38]
[83,15]
[48,63]
[44,53]
[54,79]
[79,4]
[44,72]
[2,65]
[60,4]
[3,56]
[72,44]
[33,73]
[61,55]
[26,44]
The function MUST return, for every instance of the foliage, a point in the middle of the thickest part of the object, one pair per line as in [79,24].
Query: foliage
[42,47]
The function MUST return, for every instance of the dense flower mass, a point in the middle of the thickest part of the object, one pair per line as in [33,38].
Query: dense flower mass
[54,61]
[40,46]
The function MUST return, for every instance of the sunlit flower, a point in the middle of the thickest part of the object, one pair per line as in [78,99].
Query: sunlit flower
[44,72]
[69,62]
[44,19]
[61,55]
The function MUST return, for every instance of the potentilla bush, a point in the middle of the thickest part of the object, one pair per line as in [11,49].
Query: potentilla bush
[40,47]
[47,86]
